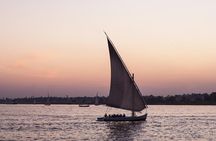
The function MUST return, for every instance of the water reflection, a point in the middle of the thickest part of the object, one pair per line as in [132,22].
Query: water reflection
[124,130]
[70,122]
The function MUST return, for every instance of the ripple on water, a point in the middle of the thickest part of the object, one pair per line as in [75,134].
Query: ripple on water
[70,122]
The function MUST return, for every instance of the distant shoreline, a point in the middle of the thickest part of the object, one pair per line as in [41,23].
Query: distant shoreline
[185,99]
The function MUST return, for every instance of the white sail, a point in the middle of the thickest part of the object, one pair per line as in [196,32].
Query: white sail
[124,92]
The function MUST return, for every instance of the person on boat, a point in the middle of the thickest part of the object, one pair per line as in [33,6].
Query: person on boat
[105,115]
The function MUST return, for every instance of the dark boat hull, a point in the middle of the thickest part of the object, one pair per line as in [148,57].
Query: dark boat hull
[135,118]
[84,105]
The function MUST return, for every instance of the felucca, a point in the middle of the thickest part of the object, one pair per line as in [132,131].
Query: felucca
[124,92]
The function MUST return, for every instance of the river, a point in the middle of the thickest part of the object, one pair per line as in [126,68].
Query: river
[71,122]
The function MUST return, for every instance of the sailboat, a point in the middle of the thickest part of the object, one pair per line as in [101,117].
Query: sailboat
[48,100]
[96,100]
[84,103]
[124,92]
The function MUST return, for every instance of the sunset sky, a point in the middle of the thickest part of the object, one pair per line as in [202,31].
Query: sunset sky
[58,46]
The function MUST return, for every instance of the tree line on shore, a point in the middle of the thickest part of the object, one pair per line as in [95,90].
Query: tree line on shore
[185,99]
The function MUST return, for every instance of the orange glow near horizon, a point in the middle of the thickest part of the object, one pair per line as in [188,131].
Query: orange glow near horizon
[60,45]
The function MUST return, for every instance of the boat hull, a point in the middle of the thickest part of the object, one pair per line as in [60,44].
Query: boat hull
[84,105]
[136,118]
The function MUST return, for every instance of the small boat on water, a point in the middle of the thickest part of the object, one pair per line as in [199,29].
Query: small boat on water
[96,100]
[123,118]
[124,92]
[83,105]
[84,102]
[48,103]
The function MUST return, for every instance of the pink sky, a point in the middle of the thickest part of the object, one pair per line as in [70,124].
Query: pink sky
[59,46]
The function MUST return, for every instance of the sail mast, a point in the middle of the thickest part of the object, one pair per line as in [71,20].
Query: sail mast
[133,112]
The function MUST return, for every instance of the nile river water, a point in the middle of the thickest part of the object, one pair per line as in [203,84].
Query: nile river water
[71,122]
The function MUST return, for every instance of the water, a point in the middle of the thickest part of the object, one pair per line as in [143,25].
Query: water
[71,122]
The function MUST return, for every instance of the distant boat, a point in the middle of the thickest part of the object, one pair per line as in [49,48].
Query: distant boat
[34,102]
[48,101]
[83,105]
[124,93]
[97,100]
[47,104]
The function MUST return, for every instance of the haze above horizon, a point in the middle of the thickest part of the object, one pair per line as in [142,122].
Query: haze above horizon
[59,46]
